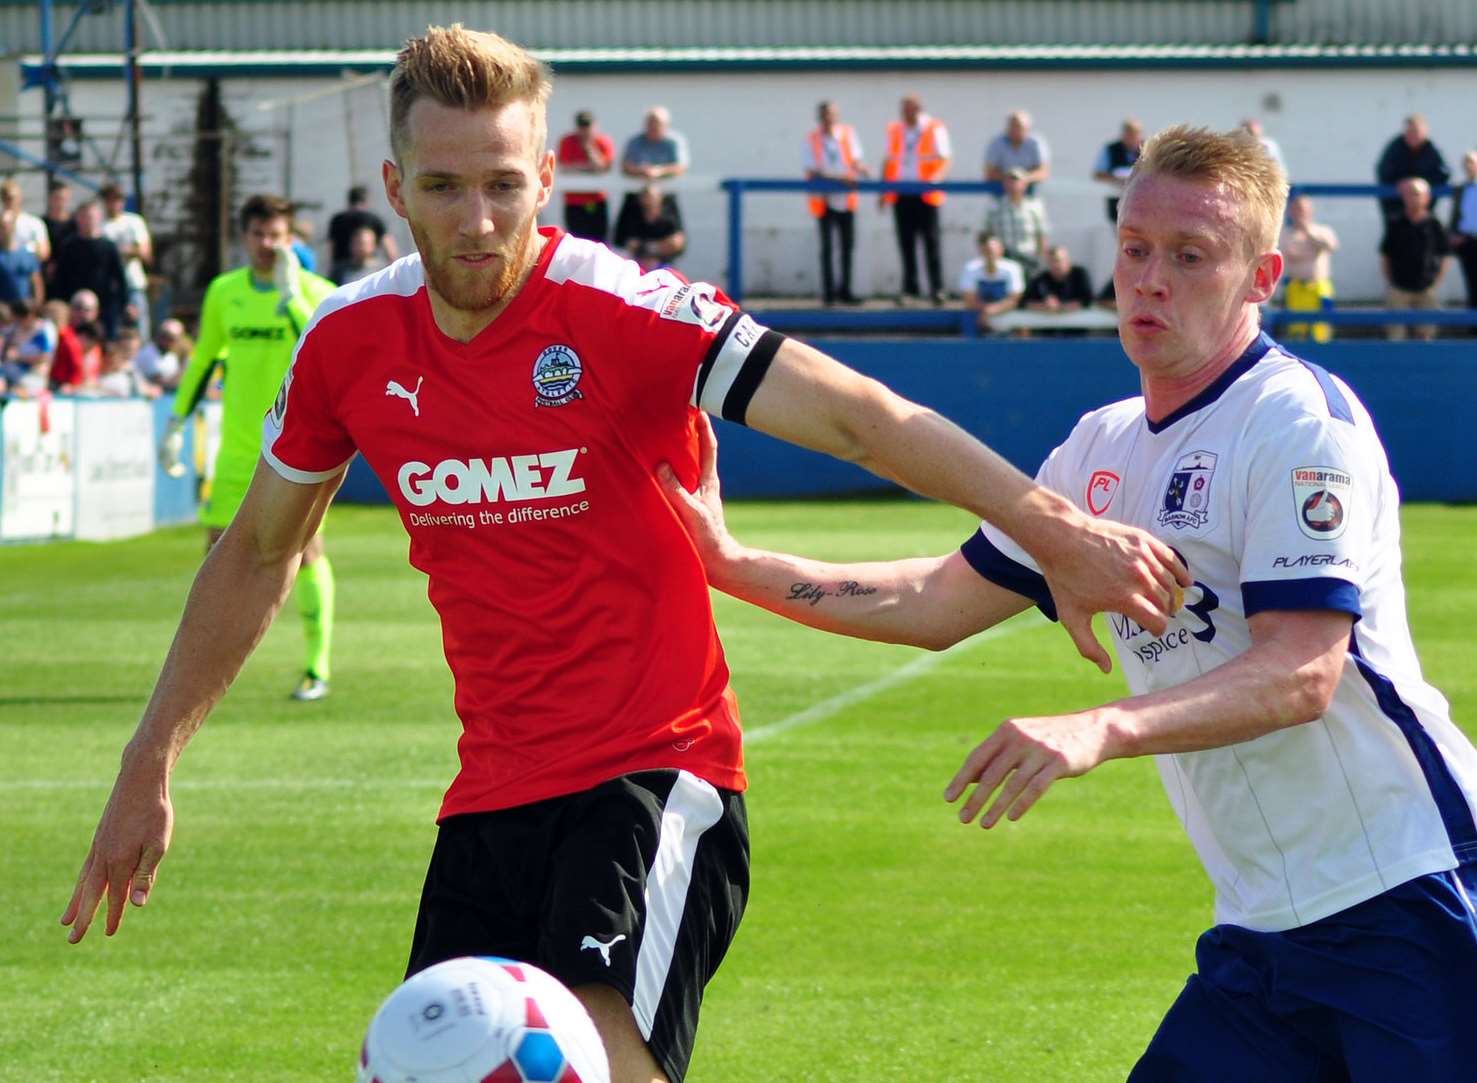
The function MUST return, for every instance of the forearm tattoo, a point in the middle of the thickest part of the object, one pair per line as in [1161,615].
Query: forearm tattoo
[813,593]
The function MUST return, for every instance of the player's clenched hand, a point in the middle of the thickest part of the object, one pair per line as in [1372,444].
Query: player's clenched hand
[1021,759]
[1104,565]
[701,510]
[129,843]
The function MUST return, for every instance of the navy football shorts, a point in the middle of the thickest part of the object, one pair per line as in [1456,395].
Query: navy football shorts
[1384,992]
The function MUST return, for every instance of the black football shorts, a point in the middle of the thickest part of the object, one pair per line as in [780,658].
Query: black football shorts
[638,883]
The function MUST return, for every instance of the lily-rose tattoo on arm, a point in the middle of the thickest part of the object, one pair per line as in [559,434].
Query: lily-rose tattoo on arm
[814,592]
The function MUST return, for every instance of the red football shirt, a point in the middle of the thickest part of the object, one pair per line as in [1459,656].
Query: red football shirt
[574,609]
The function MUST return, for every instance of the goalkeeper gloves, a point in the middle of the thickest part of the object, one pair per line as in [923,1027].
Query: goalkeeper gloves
[287,276]
[172,447]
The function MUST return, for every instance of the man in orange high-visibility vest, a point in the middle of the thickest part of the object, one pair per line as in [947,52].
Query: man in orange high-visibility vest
[833,152]
[917,150]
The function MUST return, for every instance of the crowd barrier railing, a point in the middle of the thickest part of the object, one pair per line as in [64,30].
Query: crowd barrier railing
[942,320]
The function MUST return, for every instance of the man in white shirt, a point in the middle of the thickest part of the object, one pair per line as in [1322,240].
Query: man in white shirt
[158,360]
[833,152]
[991,284]
[1326,790]
[30,231]
[917,149]
[130,233]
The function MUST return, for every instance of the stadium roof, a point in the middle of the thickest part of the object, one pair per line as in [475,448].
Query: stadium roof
[258,63]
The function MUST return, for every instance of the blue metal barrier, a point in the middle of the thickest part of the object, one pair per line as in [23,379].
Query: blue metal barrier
[738,187]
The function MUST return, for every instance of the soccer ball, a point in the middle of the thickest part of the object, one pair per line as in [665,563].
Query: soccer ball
[482,1020]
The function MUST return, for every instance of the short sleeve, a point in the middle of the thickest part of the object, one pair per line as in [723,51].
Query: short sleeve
[997,557]
[1017,278]
[944,147]
[1043,151]
[1101,165]
[1312,496]
[686,342]
[969,276]
[302,438]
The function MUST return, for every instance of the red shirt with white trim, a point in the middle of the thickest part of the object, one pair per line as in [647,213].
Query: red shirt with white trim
[574,609]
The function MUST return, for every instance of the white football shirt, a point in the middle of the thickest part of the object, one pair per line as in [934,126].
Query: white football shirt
[1273,486]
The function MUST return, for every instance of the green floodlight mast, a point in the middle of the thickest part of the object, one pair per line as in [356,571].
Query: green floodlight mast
[49,78]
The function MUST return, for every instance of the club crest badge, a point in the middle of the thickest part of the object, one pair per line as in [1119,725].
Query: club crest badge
[556,376]
[1101,488]
[1320,497]
[1186,503]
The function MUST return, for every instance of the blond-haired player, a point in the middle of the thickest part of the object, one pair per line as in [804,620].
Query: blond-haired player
[1323,784]
[514,388]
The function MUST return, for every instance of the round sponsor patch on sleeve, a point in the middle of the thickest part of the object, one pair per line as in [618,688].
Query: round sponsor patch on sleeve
[277,415]
[1321,498]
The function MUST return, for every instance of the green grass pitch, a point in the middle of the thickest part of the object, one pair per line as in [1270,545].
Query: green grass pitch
[883,939]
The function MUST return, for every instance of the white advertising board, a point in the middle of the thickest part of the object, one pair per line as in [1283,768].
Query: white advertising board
[38,496]
[115,470]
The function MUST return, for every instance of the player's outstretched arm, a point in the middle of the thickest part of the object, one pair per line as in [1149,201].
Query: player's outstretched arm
[931,602]
[236,593]
[1090,564]
[1286,678]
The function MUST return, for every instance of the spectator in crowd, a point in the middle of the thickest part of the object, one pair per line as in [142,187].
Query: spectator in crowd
[20,270]
[120,378]
[833,152]
[85,313]
[1410,154]
[1413,256]
[1253,127]
[1115,161]
[1063,287]
[1305,246]
[90,338]
[30,342]
[653,237]
[1018,148]
[342,225]
[130,233]
[302,244]
[653,154]
[162,358]
[1464,228]
[67,374]
[59,228]
[991,284]
[1020,223]
[364,258]
[90,261]
[917,150]
[588,151]
[30,231]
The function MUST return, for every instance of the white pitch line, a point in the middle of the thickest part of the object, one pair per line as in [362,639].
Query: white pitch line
[819,712]
[828,708]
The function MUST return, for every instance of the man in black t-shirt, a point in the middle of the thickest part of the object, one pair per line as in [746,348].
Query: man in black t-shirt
[89,261]
[1410,154]
[1063,287]
[653,236]
[1413,257]
[354,217]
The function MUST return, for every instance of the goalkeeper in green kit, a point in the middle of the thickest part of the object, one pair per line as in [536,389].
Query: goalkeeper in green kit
[250,323]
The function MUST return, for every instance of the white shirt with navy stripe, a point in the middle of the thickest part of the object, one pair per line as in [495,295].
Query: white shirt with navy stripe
[1274,487]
